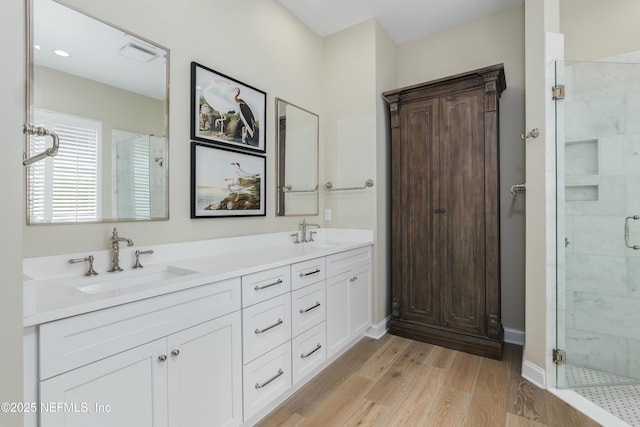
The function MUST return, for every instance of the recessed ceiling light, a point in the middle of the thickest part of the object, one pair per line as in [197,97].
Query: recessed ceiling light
[61,53]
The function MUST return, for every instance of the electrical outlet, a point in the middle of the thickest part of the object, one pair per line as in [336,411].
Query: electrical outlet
[327,214]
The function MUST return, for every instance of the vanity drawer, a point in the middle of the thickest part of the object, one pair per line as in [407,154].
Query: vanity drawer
[307,272]
[308,307]
[266,378]
[309,351]
[76,341]
[265,326]
[266,284]
[345,261]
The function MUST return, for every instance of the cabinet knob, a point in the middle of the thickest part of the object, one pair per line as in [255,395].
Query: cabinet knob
[162,357]
[175,352]
[353,279]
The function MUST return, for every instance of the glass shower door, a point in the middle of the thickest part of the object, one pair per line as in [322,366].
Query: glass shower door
[598,223]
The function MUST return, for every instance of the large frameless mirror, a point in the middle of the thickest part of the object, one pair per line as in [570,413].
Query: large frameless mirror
[297,174]
[104,92]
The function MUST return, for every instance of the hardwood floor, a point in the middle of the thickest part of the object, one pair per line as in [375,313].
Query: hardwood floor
[400,382]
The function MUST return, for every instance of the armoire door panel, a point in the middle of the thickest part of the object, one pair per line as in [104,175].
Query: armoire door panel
[462,234]
[445,253]
[419,199]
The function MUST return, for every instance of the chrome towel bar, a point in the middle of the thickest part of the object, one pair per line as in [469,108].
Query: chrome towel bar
[49,152]
[329,186]
[289,189]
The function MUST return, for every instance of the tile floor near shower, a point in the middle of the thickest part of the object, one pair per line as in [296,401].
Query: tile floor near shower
[618,397]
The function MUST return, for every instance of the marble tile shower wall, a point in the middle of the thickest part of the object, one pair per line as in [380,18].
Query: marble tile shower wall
[602,187]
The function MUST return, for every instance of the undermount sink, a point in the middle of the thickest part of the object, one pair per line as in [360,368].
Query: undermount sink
[131,280]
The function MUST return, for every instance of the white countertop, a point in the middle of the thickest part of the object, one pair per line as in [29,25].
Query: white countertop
[51,284]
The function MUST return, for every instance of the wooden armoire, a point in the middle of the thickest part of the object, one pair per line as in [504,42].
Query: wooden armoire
[445,233]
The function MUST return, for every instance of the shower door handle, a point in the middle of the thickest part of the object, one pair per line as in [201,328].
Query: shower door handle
[626,232]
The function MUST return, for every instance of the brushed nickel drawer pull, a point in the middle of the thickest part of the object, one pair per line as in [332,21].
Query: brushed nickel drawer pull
[306,310]
[270,380]
[260,331]
[304,356]
[276,283]
[316,271]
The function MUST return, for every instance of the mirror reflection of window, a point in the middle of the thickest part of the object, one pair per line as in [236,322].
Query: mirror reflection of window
[65,188]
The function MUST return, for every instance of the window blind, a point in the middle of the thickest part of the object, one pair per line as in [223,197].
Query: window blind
[65,188]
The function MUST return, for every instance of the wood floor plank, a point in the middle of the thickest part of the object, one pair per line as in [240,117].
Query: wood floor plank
[488,406]
[413,410]
[317,390]
[399,382]
[337,408]
[367,414]
[381,360]
[442,357]
[399,378]
[512,357]
[517,421]
[527,401]
[463,372]
[283,418]
[449,409]
[560,414]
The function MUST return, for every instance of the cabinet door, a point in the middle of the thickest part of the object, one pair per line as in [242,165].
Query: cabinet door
[359,300]
[337,313]
[127,389]
[417,217]
[205,374]
[462,188]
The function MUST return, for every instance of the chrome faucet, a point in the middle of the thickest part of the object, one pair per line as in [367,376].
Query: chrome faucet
[303,230]
[114,242]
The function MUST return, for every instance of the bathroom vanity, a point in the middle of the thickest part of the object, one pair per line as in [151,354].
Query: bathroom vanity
[215,332]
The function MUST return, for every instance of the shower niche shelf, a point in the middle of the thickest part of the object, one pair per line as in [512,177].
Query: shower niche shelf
[581,171]
[581,193]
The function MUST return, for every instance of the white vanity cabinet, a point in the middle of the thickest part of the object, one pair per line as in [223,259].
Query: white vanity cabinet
[348,297]
[186,371]
[219,349]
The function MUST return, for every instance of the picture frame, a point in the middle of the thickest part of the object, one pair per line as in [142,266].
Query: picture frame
[226,111]
[226,183]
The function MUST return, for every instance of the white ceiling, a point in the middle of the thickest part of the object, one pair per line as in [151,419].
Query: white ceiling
[94,48]
[404,20]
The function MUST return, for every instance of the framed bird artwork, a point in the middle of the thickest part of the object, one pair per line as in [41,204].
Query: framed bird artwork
[226,111]
[226,182]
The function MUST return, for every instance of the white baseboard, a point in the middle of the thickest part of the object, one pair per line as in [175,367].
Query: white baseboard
[534,374]
[378,330]
[514,336]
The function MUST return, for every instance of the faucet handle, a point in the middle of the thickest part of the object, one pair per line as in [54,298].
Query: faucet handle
[138,253]
[89,259]
[296,240]
[311,233]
